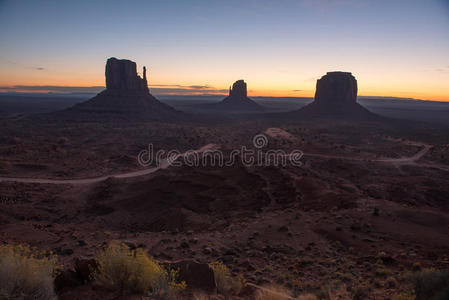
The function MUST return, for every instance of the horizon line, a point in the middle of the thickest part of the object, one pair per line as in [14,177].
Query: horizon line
[164,90]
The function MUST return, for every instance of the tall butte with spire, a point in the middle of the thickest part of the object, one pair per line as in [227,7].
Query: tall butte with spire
[126,97]
[121,77]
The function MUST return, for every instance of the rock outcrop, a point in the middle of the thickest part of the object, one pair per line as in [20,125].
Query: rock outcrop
[238,99]
[121,76]
[126,98]
[336,89]
[336,97]
[196,275]
[238,89]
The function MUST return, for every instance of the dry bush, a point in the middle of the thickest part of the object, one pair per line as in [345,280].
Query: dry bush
[431,284]
[133,271]
[404,296]
[274,292]
[200,296]
[226,283]
[26,273]
[307,297]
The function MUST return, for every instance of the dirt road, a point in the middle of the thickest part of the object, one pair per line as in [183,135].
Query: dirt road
[165,164]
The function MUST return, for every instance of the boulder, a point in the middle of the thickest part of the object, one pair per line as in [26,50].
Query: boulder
[67,279]
[85,268]
[196,275]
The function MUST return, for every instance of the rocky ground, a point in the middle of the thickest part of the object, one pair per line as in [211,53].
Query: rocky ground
[354,215]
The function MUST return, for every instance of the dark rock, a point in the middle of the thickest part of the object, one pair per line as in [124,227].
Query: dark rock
[283,229]
[63,252]
[85,268]
[67,279]
[184,245]
[230,252]
[130,245]
[66,252]
[268,249]
[207,251]
[227,259]
[248,266]
[196,275]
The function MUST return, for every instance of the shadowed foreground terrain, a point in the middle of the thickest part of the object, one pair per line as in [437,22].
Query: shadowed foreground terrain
[367,206]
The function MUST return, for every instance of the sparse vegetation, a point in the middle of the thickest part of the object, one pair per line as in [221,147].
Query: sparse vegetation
[226,283]
[133,271]
[431,284]
[26,273]
[404,296]
[361,293]
[277,292]
[307,297]
[273,292]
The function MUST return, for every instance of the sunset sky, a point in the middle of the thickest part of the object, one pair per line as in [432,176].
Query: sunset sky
[394,48]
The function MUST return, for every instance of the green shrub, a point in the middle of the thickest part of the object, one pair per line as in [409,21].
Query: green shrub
[133,271]
[26,273]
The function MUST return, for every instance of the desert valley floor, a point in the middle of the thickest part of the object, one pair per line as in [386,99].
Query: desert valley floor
[367,205]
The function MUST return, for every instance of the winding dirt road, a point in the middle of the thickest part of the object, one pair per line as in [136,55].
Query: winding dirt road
[401,160]
[165,164]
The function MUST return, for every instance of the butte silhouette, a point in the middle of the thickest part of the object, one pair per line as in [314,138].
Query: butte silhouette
[237,101]
[238,98]
[126,97]
[336,98]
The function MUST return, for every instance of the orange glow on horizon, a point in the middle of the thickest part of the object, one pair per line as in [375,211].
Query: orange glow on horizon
[261,83]
[251,92]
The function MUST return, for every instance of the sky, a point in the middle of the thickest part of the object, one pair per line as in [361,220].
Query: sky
[397,48]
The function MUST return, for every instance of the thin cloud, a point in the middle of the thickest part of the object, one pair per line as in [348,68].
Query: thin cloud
[158,89]
[165,89]
[23,66]
[443,70]
[52,89]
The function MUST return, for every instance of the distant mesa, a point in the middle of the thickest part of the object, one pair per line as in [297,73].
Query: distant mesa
[336,97]
[126,97]
[236,102]
[238,98]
